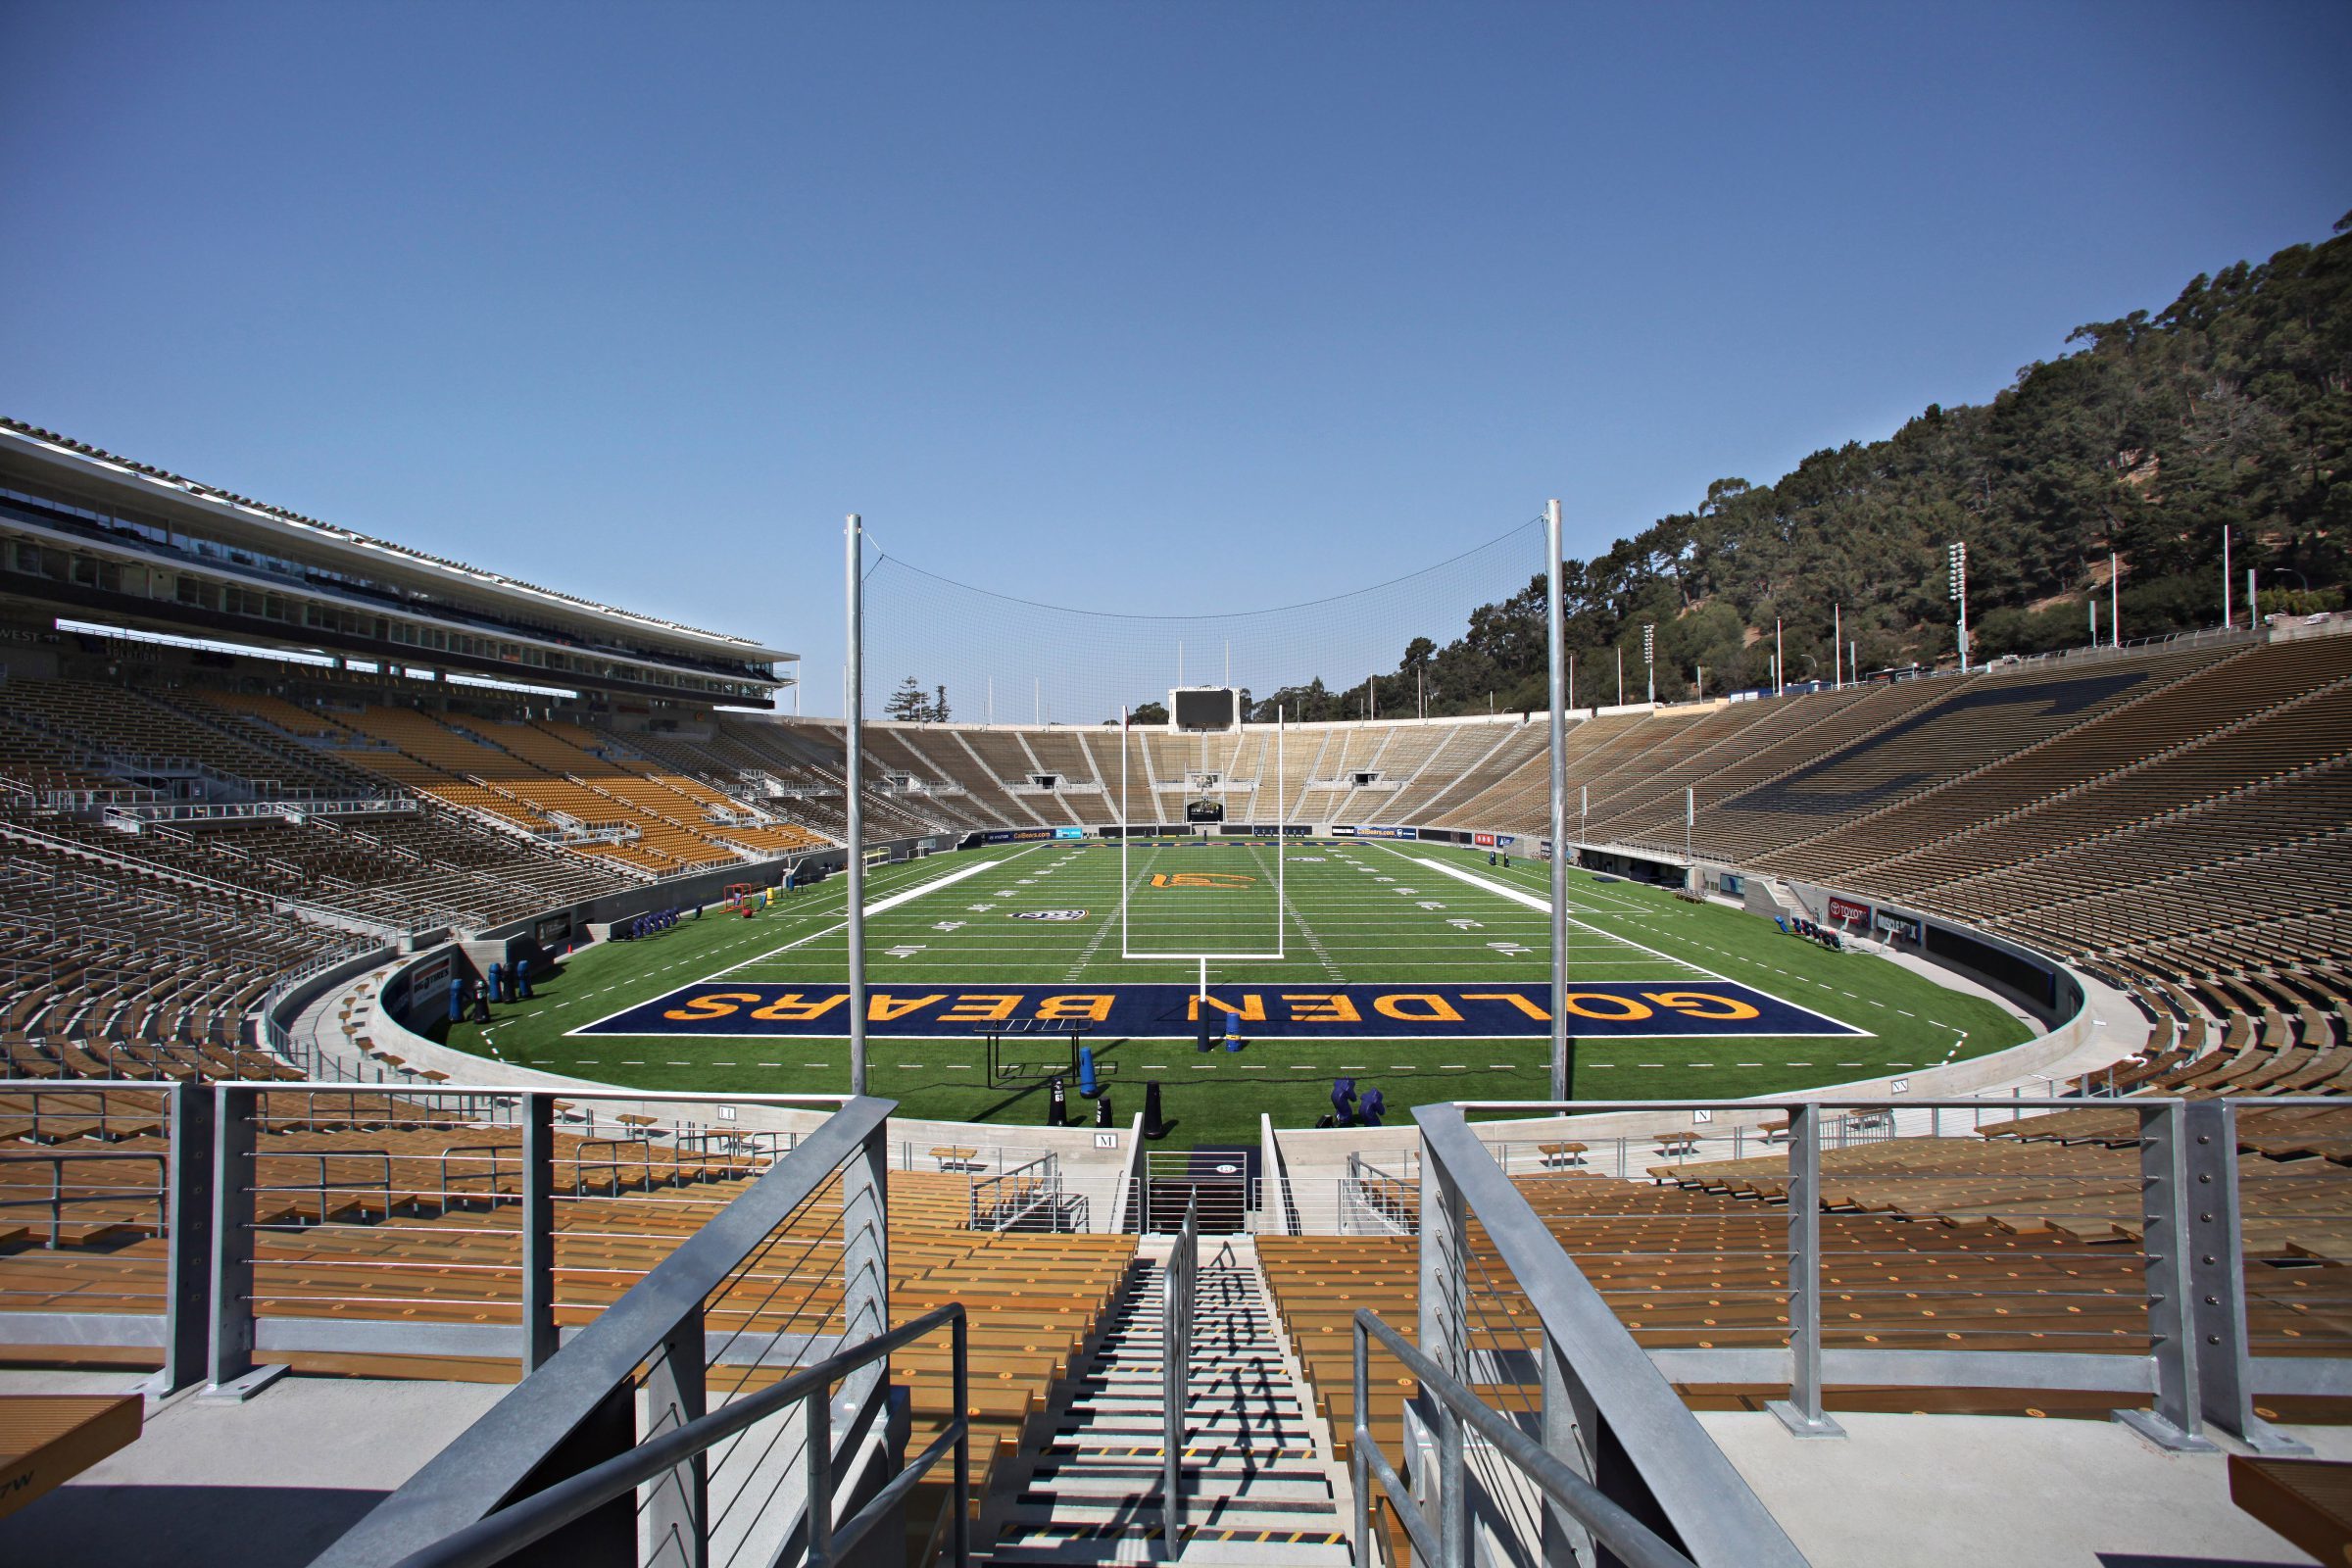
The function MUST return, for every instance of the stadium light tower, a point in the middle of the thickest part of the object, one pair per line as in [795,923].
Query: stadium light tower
[1957,560]
[2228,615]
[1563,1063]
[1649,658]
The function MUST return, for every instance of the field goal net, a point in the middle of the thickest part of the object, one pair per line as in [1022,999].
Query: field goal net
[1197,882]
[1235,730]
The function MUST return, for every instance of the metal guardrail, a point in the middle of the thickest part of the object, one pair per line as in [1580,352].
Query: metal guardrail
[1371,1200]
[379,1182]
[175,1331]
[59,1196]
[2198,1366]
[1180,1281]
[239,1336]
[1027,1197]
[1448,1543]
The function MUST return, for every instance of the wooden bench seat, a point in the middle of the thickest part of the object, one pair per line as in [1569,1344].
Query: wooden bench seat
[48,1439]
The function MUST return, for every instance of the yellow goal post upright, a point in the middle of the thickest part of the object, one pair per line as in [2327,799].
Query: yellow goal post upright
[1206,953]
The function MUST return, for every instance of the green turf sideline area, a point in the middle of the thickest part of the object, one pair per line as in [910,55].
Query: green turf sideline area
[1356,912]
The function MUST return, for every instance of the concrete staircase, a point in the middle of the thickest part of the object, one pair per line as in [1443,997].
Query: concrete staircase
[1257,1478]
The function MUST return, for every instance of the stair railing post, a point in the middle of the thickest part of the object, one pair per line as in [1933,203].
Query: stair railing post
[2216,1278]
[1359,1447]
[865,1257]
[1453,1492]
[960,1531]
[188,1232]
[1175,1363]
[1801,1412]
[538,1178]
[232,1373]
[676,1512]
[1566,1544]
[2165,1238]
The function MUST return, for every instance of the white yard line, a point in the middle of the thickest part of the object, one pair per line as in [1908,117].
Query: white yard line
[877,906]
[1534,903]
[873,909]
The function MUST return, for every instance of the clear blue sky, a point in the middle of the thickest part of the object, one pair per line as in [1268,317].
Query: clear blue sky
[638,301]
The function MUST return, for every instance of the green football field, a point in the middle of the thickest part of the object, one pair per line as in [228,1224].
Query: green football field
[1376,938]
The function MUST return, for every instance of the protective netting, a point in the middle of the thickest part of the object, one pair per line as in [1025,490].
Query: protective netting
[1012,659]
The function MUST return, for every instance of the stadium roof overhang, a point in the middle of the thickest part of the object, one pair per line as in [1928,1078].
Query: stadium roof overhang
[104,478]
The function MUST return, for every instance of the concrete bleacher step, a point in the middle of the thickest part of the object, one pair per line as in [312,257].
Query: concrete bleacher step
[1257,1486]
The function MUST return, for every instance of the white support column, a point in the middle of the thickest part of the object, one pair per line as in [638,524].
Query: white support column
[1563,1066]
[853,706]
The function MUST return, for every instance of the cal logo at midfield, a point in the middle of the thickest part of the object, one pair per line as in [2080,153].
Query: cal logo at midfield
[1618,1009]
[1200,879]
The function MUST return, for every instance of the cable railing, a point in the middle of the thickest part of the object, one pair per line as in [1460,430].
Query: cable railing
[508,1532]
[1448,1543]
[694,1452]
[1598,1393]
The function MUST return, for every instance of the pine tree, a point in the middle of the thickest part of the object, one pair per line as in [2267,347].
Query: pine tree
[907,704]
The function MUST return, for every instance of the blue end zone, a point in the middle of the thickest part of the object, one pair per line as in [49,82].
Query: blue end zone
[1624,1009]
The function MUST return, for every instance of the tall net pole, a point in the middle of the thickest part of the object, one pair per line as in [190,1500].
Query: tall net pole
[1563,1065]
[852,696]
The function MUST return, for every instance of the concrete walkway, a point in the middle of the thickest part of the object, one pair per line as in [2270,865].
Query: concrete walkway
[267,1484]
[1919,1490]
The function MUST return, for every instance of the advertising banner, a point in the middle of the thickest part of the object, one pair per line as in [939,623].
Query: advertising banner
[1899,926]
[1847,911]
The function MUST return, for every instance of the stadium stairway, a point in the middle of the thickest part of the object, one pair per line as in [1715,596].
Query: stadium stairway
[1257,1476]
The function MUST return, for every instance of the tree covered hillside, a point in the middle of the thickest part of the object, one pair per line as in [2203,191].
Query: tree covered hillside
[2230,407]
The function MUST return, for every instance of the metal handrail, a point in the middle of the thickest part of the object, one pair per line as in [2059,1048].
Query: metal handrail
[58,1197]
[1179,1280]
[322,1185]
[1046,1184]
[496,1151]
[1363,1180]
[1632,1543]
[533,1518]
